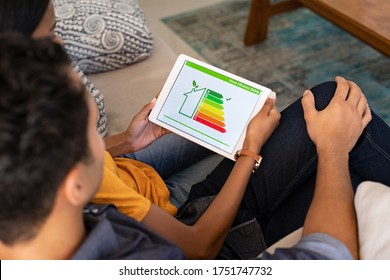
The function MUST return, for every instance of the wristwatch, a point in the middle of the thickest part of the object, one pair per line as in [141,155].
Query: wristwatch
[245,152]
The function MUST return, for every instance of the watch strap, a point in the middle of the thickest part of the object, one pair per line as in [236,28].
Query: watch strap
[256,157]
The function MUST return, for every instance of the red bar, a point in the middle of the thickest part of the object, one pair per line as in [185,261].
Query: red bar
[209,124]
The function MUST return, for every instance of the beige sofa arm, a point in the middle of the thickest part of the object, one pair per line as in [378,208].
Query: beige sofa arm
[287,241]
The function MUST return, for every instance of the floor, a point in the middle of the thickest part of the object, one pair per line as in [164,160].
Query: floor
[156,9]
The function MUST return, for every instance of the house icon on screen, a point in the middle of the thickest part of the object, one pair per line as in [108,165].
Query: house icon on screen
[206,107]
[191,102]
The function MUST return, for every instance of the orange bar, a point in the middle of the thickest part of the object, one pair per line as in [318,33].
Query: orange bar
[211,114]
[210,119]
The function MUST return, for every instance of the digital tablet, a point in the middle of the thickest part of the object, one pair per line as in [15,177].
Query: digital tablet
[207,105]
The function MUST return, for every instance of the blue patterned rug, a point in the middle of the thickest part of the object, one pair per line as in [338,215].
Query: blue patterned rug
[301,51]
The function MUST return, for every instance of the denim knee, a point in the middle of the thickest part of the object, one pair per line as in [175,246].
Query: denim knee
[323,94]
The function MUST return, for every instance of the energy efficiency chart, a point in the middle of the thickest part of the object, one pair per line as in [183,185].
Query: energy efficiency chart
[208,106]
[204,106]
[210,111]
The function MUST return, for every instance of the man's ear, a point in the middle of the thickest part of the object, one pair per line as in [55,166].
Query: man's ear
[73,187]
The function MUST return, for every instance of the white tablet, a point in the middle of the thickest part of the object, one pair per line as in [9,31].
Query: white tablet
[207,105]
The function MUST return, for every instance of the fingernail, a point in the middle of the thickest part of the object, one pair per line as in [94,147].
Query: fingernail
[306,92]
[272,95]
[153,100]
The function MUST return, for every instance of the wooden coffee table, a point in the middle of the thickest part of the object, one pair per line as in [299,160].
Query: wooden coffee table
[368,20]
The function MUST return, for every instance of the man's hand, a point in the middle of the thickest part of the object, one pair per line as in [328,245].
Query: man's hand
[262,125]
[336,129]
[141,132]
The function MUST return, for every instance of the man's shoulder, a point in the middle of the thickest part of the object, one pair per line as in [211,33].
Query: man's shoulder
[112,235]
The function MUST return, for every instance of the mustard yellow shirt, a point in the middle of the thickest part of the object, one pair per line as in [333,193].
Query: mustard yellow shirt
[132,186]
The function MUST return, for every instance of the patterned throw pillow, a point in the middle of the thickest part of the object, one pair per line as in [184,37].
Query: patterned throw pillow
[103,35]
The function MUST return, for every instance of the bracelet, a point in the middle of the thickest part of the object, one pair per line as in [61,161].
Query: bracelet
[245,152]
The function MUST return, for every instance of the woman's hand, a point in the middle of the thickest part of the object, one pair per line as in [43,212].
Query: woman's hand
[141,132]
[262,125]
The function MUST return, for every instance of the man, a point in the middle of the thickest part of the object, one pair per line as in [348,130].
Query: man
[51,161]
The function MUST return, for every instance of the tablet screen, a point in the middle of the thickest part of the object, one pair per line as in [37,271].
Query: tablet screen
[209,105]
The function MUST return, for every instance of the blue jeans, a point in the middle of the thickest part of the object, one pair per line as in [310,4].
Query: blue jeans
[180,163]
[280,192]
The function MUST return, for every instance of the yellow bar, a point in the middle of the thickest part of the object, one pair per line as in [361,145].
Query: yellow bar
[212,109]
[211,114]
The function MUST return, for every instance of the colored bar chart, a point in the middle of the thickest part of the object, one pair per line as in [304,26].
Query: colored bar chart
[210,111]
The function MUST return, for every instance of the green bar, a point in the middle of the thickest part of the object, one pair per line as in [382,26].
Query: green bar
[223,77]
[214,93]
[213,98]
[212,103]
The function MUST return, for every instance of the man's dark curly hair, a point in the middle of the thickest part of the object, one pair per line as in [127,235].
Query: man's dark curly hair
[43,131]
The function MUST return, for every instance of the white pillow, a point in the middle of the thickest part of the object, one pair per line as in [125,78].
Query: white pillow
[372,204]
[103,35]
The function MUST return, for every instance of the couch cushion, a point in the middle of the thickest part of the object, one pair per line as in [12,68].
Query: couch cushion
[286,242]
[127,90]
[103,35]
[372,203]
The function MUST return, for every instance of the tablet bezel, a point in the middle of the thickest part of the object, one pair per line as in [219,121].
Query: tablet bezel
[176,69]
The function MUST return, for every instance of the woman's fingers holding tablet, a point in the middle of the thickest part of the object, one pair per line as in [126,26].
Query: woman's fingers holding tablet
[262,125]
